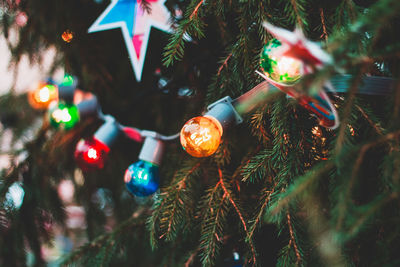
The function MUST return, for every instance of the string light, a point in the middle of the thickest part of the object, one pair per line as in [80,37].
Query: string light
[42,95]
[279,68]
[63,115]
[67,36]
[201,136]
[142,178]
[91,154]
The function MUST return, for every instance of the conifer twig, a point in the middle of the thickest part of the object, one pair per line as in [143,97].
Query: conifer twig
[357,165]
[296,11]
[371,211]
[196,9]
[303,183]
[238,212]
[180,185]
[211,228]
[191,258]
[396,106]
[364,114]
[224,64]
[174,49]
[247,160]
[324,32]
[347,110]
[262,209]
[292,238]
[221,182]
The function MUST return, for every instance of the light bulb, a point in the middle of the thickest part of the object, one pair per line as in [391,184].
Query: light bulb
[279,68]
[64,115]
[91,154]
[68,80]
[42,95]
[201,136]
[142,178]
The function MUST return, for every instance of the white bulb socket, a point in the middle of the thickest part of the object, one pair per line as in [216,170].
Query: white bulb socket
[66,93]
[224,112]
[108,132]
[88,108]
[152,150]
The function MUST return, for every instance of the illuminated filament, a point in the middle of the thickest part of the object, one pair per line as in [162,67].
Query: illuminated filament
[287,65]
[61,115]
[204,135]
[92,153]
[141,176]
[44,94]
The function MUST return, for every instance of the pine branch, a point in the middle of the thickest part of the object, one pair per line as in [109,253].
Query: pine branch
[107,240]
[296,9]
[349,185]
[267,197]
[153,221]
[191,25]
[372,22]
[324,31]
[293,239]
[239,213]
[375,125]
[300,186]
[214,220]
[179,202]
[257,167]
[173,211]
[258,119]
[347,111]
[377,204]
[224,64]
[146,6]
[191,258]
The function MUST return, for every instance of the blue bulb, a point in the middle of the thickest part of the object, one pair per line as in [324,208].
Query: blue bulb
[142,178]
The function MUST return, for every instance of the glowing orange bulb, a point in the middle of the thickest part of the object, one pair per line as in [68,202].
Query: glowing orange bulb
[42,96]
[67,36]
[200,136]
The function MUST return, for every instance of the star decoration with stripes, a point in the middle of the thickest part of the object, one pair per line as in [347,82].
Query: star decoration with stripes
[135,24]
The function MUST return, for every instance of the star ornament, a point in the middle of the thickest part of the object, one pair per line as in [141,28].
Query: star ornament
[135,24]
[296,45]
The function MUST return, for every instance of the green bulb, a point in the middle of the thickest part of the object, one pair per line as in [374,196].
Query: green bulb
[68,80]
[277,67]
[64,116]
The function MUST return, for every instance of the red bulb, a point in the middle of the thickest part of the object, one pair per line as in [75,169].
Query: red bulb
[91,154]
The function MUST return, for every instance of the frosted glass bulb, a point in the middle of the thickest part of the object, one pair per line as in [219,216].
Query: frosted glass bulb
[201,136]
[91,154]
[279,68]
[142,178]
[42,96]
[64,115]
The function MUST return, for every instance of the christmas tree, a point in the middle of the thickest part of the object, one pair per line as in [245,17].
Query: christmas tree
[284,187]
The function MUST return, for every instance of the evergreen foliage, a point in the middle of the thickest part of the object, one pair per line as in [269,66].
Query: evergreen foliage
[330,196]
